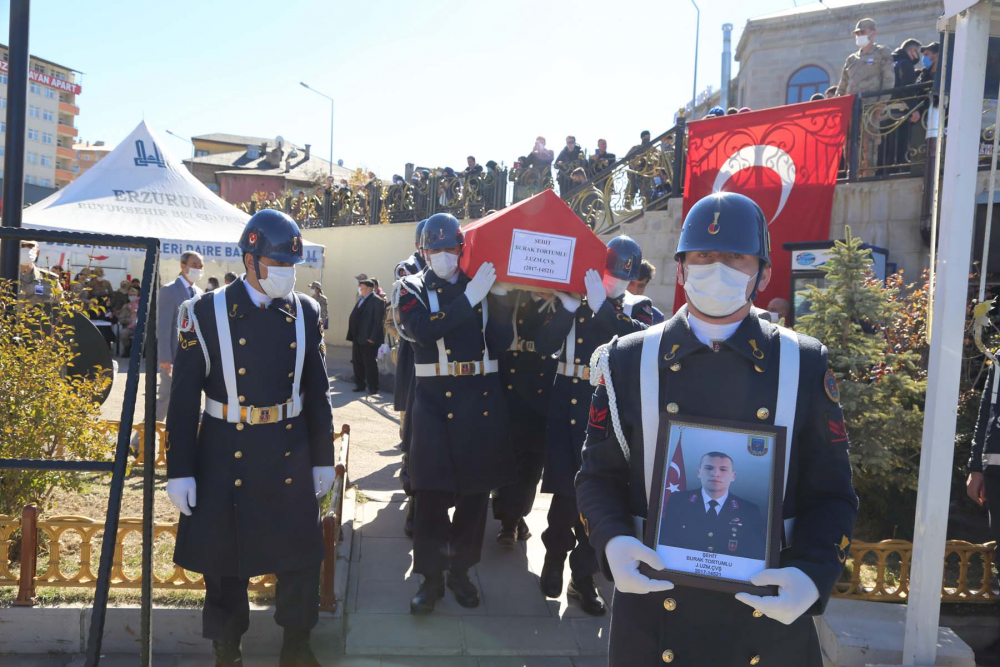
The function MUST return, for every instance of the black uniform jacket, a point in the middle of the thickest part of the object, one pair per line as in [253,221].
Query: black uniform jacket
[458,441]
[986,438]
[256,510]
[702,627]
[570,398]
[738,528]
[404,357]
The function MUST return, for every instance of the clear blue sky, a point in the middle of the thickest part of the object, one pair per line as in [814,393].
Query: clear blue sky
[425,82]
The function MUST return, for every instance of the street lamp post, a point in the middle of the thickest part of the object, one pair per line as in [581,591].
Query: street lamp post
[306,85]
[694,84]
[174,134]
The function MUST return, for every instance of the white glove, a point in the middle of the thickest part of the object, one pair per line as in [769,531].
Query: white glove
[323,477]
[796,593]
[181,491]
[498,290]
[624,554]
[569,302]
[480,285]
[596,294]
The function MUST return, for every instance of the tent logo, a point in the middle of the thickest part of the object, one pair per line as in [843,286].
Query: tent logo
[144,160]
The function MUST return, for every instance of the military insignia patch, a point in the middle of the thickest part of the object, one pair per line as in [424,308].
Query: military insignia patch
[598,418]
[830,386]
[402,291]
[714,227]
[842,548]
[732,545]
[693,498]
[716,345]
[757,445]
[732,503]
[295,243]
[838,430]
[186,324]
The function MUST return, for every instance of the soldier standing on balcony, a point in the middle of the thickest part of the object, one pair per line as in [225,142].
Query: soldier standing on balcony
[573,330]
[248,483]
[868,70]
[458,449]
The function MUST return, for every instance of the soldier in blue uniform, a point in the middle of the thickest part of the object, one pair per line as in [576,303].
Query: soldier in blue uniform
[248,482]
[528,376]
[458,447]
[711,518]
[573,330]
[716,359]
[401,400]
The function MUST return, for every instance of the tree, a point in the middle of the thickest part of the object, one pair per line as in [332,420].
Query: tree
[44,412]
[874,335]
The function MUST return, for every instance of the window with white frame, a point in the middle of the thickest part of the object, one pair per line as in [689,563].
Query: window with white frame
[33,134]
[76,169]
[32,158]
[50,94]
[34,112]
[35,88]
[48,115]
[45,183]
[46,161]
[46,138]
[30,180]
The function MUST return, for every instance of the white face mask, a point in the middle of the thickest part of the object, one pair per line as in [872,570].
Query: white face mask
[194,275]
[28,256]
[615,287]
[862,40]
[444,264]
[132,297]
[716,289]
[279,282]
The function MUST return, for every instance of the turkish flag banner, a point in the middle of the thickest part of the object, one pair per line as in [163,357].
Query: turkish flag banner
[538,244]
[785,159]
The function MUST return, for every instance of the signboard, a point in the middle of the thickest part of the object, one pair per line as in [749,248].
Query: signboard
[541,256]
[46,80]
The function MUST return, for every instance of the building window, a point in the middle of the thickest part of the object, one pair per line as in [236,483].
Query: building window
[48,115]
[3,151]
[30,180]
[3,79]
[46,138]
[39,68]
[806,82]
[32,158]
[35,88]
[3,126]
[45,183]
[33,134]
[59,75]
[86,157]
[3,102]
[50,94]
[200,153]
[46,161]
[34,112]
[76,169]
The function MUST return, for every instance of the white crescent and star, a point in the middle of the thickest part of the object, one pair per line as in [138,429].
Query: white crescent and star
[760,155]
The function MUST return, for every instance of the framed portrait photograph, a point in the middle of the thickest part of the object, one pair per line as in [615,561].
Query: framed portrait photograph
[715,503]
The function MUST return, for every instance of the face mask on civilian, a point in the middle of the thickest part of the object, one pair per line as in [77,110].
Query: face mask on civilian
[862,40]
[927,62]
[28,256]
[194,275]
[716,289]
[132,297]
[444,264]
[279,282]
[615,287]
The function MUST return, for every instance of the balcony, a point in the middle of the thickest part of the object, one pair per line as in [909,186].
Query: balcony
[66,129]
[64,175]
[67,153]
[69,108]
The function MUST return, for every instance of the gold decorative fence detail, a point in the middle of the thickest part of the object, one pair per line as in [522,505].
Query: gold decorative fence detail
[880,572]
[111,427]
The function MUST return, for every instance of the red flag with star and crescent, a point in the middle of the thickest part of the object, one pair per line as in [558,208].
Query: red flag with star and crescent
[676,478]
[785,159]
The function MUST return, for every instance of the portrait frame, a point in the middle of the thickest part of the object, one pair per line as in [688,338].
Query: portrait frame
[760,440]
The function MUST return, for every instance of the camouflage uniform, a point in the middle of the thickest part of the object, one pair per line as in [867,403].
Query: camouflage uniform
[38,286]
[867,71]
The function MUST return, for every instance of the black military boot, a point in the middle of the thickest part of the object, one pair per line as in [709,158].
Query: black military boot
[431,590]
[227,653]
[507,536]
[466,593]
[522,531]
[583,590]
[408,522]
[295,650]
[551,578]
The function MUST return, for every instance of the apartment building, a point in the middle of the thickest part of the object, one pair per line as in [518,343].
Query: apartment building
[49,157]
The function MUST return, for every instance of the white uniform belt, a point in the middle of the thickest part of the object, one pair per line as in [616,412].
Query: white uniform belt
[250,414]
[456,368]
[991,459]
[581,371]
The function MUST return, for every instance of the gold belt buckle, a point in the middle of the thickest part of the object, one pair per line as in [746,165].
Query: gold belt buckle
[262,415]
[466,368]
[529,345]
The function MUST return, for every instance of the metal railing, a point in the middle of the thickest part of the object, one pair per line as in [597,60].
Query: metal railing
[71,543]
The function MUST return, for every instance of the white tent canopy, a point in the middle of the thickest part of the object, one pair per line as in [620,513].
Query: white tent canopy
[140,189]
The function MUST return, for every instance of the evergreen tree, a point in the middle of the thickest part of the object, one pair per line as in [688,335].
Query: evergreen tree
[882,382]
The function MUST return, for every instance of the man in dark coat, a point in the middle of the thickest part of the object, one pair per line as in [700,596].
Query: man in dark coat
[365,332]
[411,266]
[710,518]
[716,359]
[248,481]
[529,377]
[569,159]
[458,448]
[573,330]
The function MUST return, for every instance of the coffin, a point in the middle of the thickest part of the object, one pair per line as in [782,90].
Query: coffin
[538,243]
